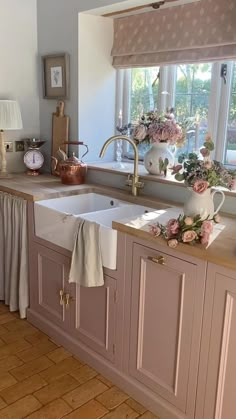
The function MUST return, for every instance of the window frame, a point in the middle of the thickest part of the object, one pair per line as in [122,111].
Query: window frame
[219,103]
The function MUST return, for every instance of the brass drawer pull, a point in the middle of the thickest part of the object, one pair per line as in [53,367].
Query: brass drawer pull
[61,294]
[160,260]
[68,299]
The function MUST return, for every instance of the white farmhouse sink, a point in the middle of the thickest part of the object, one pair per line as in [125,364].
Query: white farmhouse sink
[56,219]
[108,236]
[80,204]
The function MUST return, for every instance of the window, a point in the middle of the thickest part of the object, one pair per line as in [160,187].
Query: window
[230,149]
[143,98]
[144,91]
[192,94]
[195,90]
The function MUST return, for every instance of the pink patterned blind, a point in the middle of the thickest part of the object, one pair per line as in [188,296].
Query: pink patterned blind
[204,31]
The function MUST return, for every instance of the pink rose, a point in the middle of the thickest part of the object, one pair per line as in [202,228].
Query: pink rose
[155,230]
[172,227]
[140,132]
[217,218]
[188,221]
[205,152]
[188,236]
[200,186]
[173,243]
[207,227]
[205,239]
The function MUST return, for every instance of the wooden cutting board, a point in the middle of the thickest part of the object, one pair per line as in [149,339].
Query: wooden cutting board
[60,129]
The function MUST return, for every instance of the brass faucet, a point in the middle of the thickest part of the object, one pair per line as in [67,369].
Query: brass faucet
[133,180]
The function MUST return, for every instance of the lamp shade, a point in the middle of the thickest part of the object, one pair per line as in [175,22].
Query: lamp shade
[10,115]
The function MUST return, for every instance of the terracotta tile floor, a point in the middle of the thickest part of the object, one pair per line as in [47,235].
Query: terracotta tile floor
[40,380]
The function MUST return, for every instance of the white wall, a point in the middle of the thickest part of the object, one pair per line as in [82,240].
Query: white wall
[18,68]
[97,84]
[58,30]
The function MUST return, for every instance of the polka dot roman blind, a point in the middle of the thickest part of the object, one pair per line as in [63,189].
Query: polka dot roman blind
[197,32]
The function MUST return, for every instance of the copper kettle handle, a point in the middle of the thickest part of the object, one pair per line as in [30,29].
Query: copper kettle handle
[78,143]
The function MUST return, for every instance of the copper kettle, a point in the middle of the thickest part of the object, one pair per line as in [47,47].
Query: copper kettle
[72,170]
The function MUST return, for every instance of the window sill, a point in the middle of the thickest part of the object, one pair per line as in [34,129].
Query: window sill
[110,167]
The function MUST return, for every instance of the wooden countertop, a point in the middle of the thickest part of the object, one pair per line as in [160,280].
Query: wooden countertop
[48,186]
[38,188]
[222,251]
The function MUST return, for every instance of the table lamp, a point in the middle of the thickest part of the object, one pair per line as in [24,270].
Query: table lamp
[10,119]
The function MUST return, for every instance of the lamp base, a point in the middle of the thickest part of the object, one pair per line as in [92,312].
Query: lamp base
[5,175]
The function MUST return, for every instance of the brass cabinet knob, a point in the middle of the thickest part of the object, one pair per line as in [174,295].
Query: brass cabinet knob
[159,259]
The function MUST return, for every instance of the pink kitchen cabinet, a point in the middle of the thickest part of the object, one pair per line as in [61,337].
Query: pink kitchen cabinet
[49,272]
[217,374]
[87,314]
[163,329]
[93,317]
[166,306]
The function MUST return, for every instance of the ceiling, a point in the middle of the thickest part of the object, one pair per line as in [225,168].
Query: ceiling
[127,4]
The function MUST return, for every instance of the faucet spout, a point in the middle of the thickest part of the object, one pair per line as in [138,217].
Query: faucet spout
[135,181]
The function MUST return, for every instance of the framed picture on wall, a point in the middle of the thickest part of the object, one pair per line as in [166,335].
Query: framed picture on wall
[56,76]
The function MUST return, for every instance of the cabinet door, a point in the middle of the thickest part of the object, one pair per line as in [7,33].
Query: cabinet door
[219,363]
[94,317]
[49,272]
[166,314]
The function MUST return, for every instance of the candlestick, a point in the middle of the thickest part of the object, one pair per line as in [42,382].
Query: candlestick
[120,118]
[119,164]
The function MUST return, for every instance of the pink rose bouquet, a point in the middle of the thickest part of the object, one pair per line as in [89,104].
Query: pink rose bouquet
[159,128]
[185,229]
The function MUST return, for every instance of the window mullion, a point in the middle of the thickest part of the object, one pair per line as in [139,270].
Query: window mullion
[224,113]
[214,104]
[171,86]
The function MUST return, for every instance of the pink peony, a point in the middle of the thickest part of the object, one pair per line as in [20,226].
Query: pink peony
[140,132]
[173,243]
[155,230]
[155,132]
[205,239]
[188,221]
[188,236]
[200,186]
[207,227]
[172,227]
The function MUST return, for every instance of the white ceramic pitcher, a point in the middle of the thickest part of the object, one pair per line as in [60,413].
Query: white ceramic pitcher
[203,203]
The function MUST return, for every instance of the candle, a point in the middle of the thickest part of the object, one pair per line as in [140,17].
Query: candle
[197,132]
[120,119]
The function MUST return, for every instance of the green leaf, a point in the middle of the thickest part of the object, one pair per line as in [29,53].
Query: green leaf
[179,177]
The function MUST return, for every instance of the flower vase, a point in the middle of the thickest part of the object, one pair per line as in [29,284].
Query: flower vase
[202,203]
[158,151]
